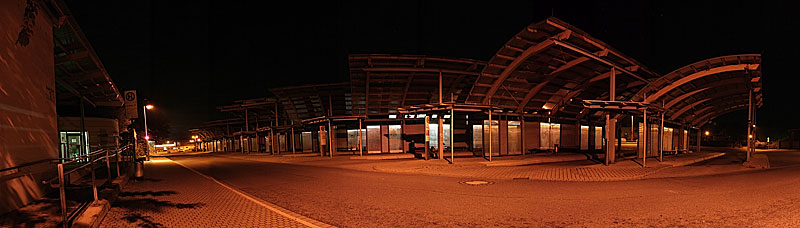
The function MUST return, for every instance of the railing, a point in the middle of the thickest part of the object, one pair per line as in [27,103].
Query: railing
[90,159]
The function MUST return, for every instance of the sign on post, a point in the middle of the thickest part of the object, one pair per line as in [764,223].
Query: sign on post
[131,104]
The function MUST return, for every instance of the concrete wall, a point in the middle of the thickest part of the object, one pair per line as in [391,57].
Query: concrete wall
[28,128]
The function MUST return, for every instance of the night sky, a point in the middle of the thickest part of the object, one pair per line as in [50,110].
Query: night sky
[189,57]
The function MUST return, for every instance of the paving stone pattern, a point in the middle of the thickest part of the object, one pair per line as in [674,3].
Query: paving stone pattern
[172,196]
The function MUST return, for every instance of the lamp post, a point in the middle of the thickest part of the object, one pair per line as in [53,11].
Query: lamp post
[194,140]
[146,135]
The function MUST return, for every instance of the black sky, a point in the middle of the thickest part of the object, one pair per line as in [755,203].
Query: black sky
[189,57]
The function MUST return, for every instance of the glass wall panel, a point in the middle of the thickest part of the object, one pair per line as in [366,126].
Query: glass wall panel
[495,136]
[598,138]
[282,140]
[395,144]
[584,137]
[267,143]
[373,139]
[550,134]
[667,140]
[364,139]
[71,143]
[477,137]
[514,137]
[305,139]
[352,139]
[433,130]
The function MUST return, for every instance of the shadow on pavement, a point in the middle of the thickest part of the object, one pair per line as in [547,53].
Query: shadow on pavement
[153,205]
[135,206]
[21,219]
[42,213]
[150,180]
[148,193]
[145,221]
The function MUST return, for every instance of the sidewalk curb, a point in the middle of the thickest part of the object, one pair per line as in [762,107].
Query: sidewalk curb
[272,207]
[93,216]
[384,157]
[512,163]
[709,157]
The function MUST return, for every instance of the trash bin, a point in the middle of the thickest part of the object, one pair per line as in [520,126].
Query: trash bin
[138,174]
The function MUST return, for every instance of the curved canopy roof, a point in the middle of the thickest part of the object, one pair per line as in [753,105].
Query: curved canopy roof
[701,91]
[309,101]
[382,83]
[78,69]
[550,65]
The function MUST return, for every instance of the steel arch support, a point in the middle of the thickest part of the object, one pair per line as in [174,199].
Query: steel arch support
[697,75]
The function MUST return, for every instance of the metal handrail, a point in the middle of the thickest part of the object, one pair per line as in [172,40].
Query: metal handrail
[32,164]
[61,174]
[72,160]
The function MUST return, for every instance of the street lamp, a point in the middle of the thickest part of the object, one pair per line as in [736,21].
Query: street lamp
[146,135]
[707,133]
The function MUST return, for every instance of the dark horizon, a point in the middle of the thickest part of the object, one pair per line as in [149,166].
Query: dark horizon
[225,52]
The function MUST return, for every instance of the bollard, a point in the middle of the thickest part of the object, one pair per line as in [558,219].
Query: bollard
[94,185]
[118,160]
[108,168]
[139,170]
[62,195]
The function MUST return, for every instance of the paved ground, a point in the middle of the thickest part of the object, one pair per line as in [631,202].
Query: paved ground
[173,196]
[553,167]
[353,198]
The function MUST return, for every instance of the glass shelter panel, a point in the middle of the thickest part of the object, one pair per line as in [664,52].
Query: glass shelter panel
[514,137]
[584,137]
[395,143]
[477,137]
[495,136]
[374,139]
[598,138]
[667,139]
[433,130]
[550,135]
[305,139]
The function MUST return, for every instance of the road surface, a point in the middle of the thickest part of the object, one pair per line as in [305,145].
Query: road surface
[348,198]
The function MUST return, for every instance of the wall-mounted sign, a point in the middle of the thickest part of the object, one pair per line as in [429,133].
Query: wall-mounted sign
[131,104]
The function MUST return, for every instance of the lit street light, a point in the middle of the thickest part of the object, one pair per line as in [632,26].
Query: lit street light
[146,135]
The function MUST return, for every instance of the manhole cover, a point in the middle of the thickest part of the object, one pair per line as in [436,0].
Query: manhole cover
[476,182]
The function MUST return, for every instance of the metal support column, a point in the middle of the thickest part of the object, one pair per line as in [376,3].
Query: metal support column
[611,123]
[427,136]
[440,87]
[749,125]
[645,130]
[83,132]
[272,141]
[360,145]
[294,150]
[452,134]
[522,132]
[610,139]
[322,141]
[440,137]
[699,138]
[661,140]
[490,129]
[330,138]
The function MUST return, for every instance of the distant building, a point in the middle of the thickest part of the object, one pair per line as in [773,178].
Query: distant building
[547,88]
[791,142]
